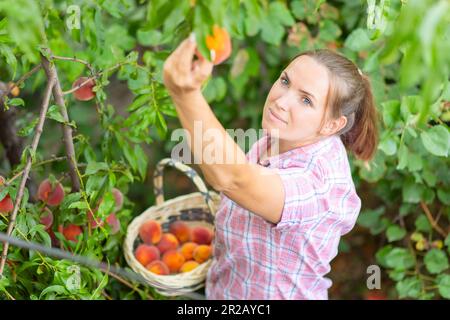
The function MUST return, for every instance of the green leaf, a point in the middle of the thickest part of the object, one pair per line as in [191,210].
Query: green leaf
[94,167]
[443,282]
[78,205]
[422,224]
[29,128]
[436,140]
[358,40]
[397,275]
[55,114]
[329,30]
[279,12]
[400,259]
[382,254]
[409,287]
[94,183]
[370,218]
[139,102]
[391,112]
[142,162]
[436,261]
[58,289]
[412,192]
[15,102]
[149,38]
[272,32]
[377,168]
[444,195]
[395,233]
[447,243]
[388,145]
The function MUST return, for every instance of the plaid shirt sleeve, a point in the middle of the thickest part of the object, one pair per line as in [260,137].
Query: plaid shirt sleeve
[305,196]
[309,195]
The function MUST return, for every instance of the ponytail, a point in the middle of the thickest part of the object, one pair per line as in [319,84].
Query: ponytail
[362,138]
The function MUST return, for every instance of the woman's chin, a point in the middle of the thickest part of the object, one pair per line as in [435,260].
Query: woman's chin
[270,128]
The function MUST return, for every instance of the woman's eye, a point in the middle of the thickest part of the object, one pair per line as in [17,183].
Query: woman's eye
[284,81]
[307,101]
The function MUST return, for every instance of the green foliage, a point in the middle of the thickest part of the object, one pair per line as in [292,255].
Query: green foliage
[402,45]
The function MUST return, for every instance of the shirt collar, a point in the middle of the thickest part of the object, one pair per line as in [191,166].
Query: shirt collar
[290,157]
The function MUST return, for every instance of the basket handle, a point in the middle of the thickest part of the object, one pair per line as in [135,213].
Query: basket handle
[188,171]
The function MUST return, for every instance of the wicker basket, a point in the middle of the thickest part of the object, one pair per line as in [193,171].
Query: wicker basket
[195,209]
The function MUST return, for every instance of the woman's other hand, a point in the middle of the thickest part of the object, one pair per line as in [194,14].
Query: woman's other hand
[183,75]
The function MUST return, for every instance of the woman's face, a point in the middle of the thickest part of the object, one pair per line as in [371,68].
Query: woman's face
[296,104]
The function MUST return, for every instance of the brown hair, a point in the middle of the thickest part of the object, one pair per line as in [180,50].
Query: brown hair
[350,94]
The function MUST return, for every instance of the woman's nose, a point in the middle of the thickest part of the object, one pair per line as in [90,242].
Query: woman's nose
[285,101]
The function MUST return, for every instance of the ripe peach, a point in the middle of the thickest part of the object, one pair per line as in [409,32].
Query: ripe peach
[168,242]
[220,42]
[202,253]
[187,250]
[85,92]
[71,232]
[146,253]
[15,91]
[188,266]
[158,267]
[6,205]
[114,223]
[181,230]
[173,259]
[95,222]
[52,195]
[150,232]
[201,235]
[118,197]
[47,218]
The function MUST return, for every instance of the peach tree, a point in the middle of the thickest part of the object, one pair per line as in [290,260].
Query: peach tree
[69,156]
[64,123]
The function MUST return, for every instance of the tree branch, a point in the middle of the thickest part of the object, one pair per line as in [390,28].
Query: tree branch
[21,80]
[431,219]
[34,144]
[51,73]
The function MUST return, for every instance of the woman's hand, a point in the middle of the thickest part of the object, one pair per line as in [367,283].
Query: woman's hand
[181,74]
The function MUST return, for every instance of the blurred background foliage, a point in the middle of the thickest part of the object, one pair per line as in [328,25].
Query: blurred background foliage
[402,45]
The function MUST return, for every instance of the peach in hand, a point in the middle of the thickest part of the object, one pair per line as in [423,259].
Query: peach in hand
[52,195]
[220,42]
[146,253]
[150,232]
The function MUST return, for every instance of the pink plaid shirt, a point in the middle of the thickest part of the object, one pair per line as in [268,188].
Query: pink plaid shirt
[256,259]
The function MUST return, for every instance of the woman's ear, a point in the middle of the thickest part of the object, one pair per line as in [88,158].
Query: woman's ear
[334,125]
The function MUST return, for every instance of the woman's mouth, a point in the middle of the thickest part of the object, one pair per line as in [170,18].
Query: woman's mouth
[275,117]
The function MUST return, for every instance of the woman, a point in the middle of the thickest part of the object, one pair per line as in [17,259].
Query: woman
[282,215]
